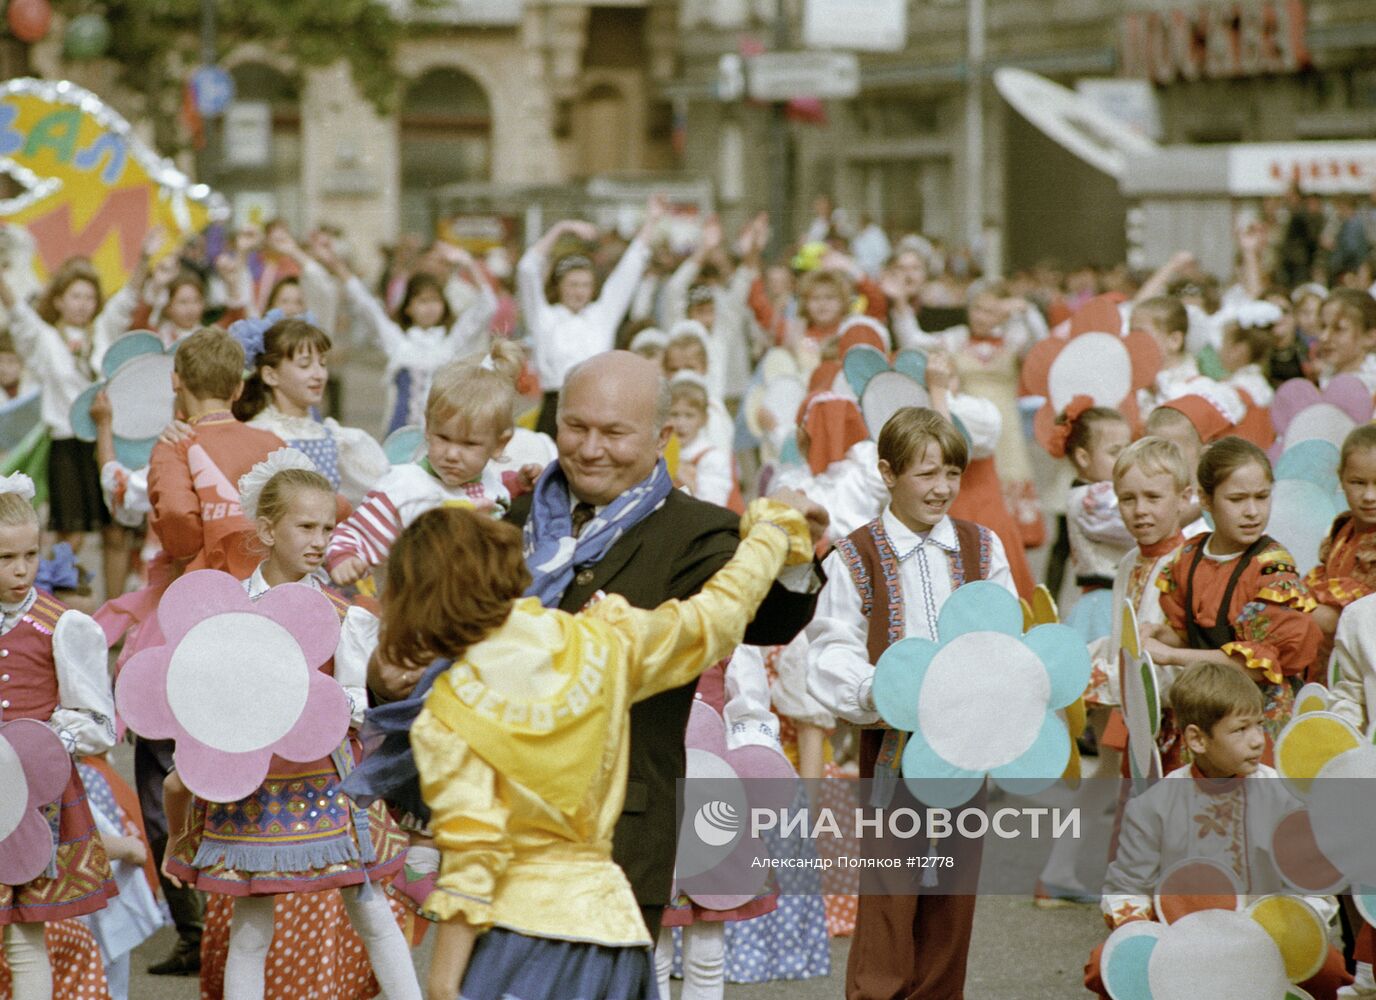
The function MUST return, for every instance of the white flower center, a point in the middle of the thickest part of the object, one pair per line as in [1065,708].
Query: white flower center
[238,682]
[14,789]
[983,700]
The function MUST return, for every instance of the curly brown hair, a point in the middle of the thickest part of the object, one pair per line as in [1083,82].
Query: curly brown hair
[452,578]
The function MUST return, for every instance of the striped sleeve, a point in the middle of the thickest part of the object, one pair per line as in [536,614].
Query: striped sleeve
[368,533]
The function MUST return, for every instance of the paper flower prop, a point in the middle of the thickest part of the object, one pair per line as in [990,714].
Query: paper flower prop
[405,444]
[883,389]
[1093,360]
[777,389]
[1223,954]
[237,682]
[1305,499]
[720,852]
[1301,412]
[1140,694]
[137,376]
[34,770]
[982,699]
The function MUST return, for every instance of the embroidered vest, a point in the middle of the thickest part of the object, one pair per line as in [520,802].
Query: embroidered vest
[28,675]
[870,559]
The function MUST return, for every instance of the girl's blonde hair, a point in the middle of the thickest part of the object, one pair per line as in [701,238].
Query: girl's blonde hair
[73,269]
[276,496]
[16,512]
[688,392]
[481,392]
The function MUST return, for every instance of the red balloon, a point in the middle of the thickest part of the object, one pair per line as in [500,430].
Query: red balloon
[30,19]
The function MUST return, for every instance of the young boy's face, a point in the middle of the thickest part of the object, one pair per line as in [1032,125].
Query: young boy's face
[1234,747]
[1151,505]
[921,494]
[1342,343]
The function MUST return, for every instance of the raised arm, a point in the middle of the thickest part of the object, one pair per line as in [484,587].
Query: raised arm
[672,644]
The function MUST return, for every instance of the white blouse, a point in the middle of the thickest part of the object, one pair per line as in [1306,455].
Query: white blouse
[85,716]
[46,352]
[839,670]
[564,338]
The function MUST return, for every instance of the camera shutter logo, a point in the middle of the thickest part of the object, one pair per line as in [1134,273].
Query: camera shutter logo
[716,823]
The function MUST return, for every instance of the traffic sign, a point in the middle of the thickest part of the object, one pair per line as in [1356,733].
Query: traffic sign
[787,76]
[213,89]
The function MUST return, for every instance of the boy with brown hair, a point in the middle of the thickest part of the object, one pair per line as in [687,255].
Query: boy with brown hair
[887,581]
[1225,798]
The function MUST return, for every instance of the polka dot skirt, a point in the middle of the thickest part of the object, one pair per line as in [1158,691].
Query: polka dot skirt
[315,954]
[78,973]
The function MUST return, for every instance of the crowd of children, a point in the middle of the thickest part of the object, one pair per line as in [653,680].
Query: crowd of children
[445,807]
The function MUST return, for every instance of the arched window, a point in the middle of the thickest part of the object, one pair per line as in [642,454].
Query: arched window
[446,136]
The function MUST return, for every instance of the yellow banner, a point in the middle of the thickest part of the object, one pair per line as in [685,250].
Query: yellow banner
[91,187]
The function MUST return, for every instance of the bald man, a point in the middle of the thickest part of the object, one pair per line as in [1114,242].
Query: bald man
[612,429]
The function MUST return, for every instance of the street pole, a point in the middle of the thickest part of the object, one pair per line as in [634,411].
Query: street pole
[780,158]
[210,154]
[974,122]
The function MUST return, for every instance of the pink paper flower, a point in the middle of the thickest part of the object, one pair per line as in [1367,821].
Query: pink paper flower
[237,682]
[34,770]
[1301,412]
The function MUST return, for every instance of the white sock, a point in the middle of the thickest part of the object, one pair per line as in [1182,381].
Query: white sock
[664,960]
[704,961]
[250,937]
[387,949]
[27,953]
[422,860]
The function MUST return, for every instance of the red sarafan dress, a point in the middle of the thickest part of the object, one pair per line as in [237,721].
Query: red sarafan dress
[1251,605]
[29,689]
[78,971]
[1345,572]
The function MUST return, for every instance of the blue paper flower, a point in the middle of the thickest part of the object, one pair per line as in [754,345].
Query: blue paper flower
[982,700]
[249,332]
[136,374]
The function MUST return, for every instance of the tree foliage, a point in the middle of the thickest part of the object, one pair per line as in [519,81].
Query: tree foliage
[150,39]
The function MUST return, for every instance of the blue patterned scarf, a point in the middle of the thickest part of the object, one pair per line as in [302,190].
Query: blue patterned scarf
[551,550]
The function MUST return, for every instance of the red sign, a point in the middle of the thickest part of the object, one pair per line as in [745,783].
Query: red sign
[1251,38]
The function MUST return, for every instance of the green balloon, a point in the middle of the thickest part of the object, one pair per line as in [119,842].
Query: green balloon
[87,36]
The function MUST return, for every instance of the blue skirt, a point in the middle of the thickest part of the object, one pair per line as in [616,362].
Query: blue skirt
[511,966]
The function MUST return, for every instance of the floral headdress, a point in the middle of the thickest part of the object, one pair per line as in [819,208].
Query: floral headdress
[255,480]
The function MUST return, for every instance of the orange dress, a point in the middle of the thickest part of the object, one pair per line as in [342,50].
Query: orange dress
[78,971]
[1256,604]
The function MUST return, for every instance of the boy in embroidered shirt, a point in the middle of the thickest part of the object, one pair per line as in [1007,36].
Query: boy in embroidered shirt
[468,422]
[894,574]
[1223,807]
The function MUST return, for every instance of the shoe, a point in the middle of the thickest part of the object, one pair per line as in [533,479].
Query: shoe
[185,960]
[1055,897]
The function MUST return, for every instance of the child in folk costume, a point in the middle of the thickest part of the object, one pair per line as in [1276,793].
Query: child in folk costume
[468,422]
[1248,339]
[1233,596]
[425,334]
[524,790]
[738,691]
[1346,343]
[895,573]
[1353,691]
[1152,487]
[576,325]
[54,670]
[63,340]
[1205,810]
[1092,437]
[1346,570]
[704,470]
[242,849]
[284,392]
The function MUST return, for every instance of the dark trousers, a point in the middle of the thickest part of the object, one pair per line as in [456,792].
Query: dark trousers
[1058,558]
[153,763]
[912,947]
